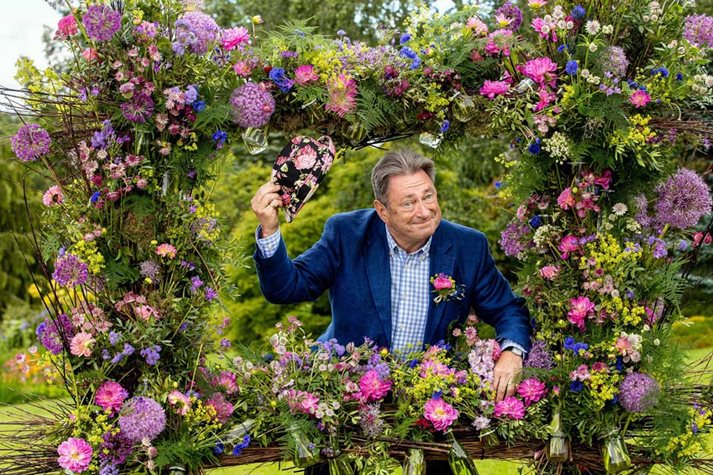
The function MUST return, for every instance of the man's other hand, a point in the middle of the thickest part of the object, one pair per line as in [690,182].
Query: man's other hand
[506,374]
[265,204]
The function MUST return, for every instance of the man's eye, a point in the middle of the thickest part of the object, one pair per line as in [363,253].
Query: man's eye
[407,205]
[429,198]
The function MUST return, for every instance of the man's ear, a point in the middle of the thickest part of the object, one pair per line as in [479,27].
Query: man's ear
[380,210]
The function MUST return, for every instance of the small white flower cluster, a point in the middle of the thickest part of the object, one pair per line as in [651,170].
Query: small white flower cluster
[558,146]
[558,19]
[673,45]
[703,84]
[593,27]
[655,13]
[543,236]
[591,78]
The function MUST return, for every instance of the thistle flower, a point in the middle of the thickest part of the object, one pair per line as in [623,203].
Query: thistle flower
[101,22]
[141,418]
[683,200]
[638,392]
[138,109]
[252,105]
[342,95]
[31,142]
[370,420]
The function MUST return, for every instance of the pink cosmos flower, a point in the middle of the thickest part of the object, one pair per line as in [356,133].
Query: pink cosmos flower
[580,308]
[81,344]
[235,36]
[568,244]
[639,98]
[442,282]
[440,413]
[510,407]
[490,89]
[550,272]
[110,396]
[342,95]
[166,250]
[227,381]
[66,27]
[372,388]
[531,390]
[53,196]
[180,401]
[305,74]
[541,70]
[566,199]
[75,455]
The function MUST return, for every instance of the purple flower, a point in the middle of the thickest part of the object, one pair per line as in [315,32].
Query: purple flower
[196,284]
[514,238]
[195,31]
[210,294]
[642,210]
[404,38]
[370,420]
[638,392]
[614,61]
[139,109]
[54,334]
[539,356]
[101,22]
[571,67]
[141,417]
[31,142]
[104,138]
[578,12]
[698,30]
[277,75]
[252,105]
[508,16]
[149,269]
[70,271]
[219,137]
[114,338]
[683,199]
[152,354]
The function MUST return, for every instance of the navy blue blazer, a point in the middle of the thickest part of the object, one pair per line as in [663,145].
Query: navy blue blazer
[351,260]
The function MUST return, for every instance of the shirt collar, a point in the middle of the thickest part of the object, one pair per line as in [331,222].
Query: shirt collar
[394,247]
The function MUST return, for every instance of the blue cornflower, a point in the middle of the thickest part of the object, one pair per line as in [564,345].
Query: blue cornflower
[238,449]
[569,343]
[576,386]
[498,184]
[277,75]
[679,77]
[267,357]
[219,137]
[561,48]
[535,147]
[619,364]
[95,197]
[437,395]
[662,71]
[536,221]
[571,67]
[198,106]
[413,363]
[445,126]
[219,448]
[407,52]
[404,38]
[632,84]
[578,12]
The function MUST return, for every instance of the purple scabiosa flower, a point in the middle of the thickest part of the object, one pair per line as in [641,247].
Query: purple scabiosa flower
[698,30]
[70,271]
[101,22]
[252,105]
[539,356]
[370,420]
[55,334]
[683,199]
[195,31]
[31,142]
[514,239]
[141,418]
[152,354]
[138,109]
[638,392]
[508,16]
[150,270]
[196,283]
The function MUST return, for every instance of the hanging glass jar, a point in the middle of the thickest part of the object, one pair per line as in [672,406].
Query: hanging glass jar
[414,463]
[256,139]
[464,108]
[177,469]
[558,446]
[354,132]
[459,460]
[304,451]
[615,454]
[431,140]
[340,466]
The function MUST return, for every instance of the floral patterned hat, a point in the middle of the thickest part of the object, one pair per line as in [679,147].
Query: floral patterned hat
[299,169]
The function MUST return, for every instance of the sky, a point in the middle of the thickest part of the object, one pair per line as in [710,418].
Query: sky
[21,27]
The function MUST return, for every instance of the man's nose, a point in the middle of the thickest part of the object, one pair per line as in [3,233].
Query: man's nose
[422,209]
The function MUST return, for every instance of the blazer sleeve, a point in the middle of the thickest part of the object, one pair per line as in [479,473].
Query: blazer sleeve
[284,280]
[496,304]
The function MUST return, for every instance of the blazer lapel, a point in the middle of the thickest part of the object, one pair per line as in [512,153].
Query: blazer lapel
[378,273]
[441,261]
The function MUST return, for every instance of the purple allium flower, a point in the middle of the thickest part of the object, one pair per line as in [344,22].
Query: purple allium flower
[683,199]
[195,31]
[641,203]
[104,138]
[138,109]
[152,354]
[698,30]
[101,22]
[31,142]
[370,420]
[70,271]
[638,392]
[539,356]
[141,417]
[252,105]
[149,269]
[513,239]
[53,334]
[508,16]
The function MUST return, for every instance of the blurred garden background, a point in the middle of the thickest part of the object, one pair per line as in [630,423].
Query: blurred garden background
[467,180]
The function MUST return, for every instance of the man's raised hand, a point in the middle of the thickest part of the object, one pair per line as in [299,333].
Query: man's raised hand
[506,374]
[265,204]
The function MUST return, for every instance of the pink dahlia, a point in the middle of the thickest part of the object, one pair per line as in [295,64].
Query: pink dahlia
[81,344]
[342,95]
[490,89]
[580,309]
[531,390]
[639,98]
[550,272]
[110,396]
[439,413]
[568,244]
[234,37]
[305,74]
[510,407]
[372,388]
[66,27]
[53,196]
[223,408]
[540,70]
[75,455]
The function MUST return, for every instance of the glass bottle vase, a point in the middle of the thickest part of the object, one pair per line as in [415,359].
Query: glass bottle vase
[414,464]
[615,454]
[459,460]
[255,139]
[558,445]
[304,452]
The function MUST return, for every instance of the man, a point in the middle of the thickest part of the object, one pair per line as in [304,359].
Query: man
[377,264]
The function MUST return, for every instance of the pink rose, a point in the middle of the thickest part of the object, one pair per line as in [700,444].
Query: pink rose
[441,282]
[550,272]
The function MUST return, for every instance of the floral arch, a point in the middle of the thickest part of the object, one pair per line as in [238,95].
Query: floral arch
[598,102]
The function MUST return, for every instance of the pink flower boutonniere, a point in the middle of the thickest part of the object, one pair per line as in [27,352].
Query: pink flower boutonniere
[445,288]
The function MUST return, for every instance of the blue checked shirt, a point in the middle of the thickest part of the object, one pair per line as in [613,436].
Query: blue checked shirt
[410,291]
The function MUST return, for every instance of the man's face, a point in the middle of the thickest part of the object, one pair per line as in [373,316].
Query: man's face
[412,214]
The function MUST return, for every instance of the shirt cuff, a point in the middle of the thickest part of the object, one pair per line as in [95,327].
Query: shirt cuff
[507,344]
[267,247]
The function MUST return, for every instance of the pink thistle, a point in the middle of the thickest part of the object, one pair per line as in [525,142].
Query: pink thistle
[440,413]
[342,95]
[510,407]
[75,455]
[580,309]
[639,98]
[81,344]
[531,390]
[110,396]
[490,89]
[53,196]
[541,70]
[234,37]
[372,388]
[305,74]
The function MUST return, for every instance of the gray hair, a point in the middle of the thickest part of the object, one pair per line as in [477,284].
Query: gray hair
[398,162]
